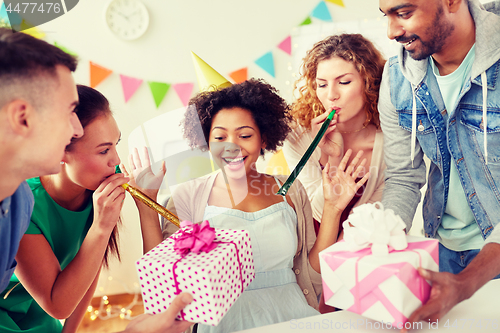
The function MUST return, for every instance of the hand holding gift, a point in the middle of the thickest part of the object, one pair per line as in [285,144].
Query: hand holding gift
[447,291]
[164,322]
[373,272]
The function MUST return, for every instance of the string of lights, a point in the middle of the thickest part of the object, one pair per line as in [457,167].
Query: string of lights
[106,310]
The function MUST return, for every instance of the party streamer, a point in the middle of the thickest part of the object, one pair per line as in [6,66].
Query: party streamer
[284,189]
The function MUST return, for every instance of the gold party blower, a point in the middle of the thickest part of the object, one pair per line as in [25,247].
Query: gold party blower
[139,195]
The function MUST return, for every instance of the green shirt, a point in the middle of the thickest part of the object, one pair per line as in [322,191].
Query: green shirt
[65,231]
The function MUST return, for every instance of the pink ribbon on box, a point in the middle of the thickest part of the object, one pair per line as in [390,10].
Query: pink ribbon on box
[367,291]
[195,238]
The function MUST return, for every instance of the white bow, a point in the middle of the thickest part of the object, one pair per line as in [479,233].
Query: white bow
[370,224]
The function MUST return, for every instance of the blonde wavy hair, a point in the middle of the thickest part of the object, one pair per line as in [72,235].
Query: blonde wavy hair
[354,48]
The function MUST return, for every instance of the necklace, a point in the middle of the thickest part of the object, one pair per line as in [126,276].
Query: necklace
[348,132]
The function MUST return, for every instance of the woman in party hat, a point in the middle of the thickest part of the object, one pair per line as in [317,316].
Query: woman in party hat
[238,124]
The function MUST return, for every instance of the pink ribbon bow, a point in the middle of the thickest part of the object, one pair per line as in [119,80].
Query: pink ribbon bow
[195,238]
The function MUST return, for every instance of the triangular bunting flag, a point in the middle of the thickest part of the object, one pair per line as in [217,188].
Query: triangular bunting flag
[159,90]
[4,18]
[266,62]
[239,75]
[337,2]
[184,91]
[286,45]
[129,86]
[65,49]
[98,74]
[321,12]
[306,21]
[207,76]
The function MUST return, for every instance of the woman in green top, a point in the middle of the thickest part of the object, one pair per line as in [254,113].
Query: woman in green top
[72,230]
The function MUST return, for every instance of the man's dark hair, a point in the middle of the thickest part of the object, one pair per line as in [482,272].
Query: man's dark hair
[23,58]
[24,55]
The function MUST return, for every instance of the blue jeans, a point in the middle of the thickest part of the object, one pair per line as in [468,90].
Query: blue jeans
[453,261]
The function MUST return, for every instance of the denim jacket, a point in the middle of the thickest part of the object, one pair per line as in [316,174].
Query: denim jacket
[415,122]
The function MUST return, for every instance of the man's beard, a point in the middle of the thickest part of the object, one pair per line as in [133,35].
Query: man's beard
[437,32]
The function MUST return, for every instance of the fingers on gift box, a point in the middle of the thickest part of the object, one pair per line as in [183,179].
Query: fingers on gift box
[373,272]
[214,265]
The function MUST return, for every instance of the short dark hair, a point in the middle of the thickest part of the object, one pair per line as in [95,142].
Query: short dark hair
[24,55]
[23,58]
[269,111]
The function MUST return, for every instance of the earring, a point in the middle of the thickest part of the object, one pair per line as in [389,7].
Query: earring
[62,162]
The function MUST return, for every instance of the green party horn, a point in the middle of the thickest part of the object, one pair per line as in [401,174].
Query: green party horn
[284,189]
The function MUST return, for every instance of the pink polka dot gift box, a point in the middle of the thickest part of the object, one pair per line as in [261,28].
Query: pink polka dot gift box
[213,265]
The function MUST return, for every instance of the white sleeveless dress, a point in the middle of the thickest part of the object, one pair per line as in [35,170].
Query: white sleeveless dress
[274,295]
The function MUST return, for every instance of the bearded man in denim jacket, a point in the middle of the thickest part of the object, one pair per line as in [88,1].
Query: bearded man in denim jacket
[441,97]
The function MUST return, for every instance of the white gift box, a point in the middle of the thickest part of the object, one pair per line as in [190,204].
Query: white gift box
[384,286]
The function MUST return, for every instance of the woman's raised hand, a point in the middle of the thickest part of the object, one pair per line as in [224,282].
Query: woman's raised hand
[108,201]
[142,175]
[332,143]
[340,185]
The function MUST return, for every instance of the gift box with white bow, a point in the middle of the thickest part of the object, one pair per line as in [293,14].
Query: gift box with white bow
[373,271]
[213,265]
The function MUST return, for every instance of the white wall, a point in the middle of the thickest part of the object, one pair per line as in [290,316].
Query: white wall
[227,34]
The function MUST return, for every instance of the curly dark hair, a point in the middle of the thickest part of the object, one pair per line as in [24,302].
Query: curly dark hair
[270,112]
[353,48]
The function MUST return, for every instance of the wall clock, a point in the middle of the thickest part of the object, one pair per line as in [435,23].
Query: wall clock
[127,19]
